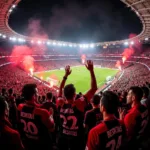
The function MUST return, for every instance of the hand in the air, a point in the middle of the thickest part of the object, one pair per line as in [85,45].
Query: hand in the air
[67,71]
[89,65]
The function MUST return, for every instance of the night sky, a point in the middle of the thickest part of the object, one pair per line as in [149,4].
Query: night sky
[75,20]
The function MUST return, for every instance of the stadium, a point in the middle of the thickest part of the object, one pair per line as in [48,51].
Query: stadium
[40,60]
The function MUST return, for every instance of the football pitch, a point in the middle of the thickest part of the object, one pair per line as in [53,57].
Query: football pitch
[80,76]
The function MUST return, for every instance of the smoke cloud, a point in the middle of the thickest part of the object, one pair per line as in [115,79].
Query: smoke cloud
[23,54]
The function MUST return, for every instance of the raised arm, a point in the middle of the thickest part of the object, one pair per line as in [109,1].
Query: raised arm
[91,92]
[67,73]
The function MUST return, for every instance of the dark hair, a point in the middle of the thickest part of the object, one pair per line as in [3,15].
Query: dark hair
[14,95]
[10,91]
[28,91]
[96,99]
[80,93]
[69,91]
[43,97]
[77,96]
[54,100]
[49,95]
[137,91]
[145,91]
[2,106]
[110,101]
[3,90]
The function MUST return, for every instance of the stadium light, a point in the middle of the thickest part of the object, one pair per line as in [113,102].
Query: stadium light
[10,10]
[21,40]
[39,42]
[59,44]
[54,43]
[92,45]
[81,46]
[146,39]
[48,43]
[70,45]
[4,36]
[132,42]
[13,6]
[13,39]
[126,43]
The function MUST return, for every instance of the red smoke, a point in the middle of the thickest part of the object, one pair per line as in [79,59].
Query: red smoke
[132,35]
[124,59]
[127,53]
[23,54]
[118,65]
[28,63]
[83,58]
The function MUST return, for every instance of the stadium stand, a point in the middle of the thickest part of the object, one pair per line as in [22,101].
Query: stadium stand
[34,115]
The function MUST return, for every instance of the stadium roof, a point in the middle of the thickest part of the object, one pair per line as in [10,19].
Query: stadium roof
[140,7]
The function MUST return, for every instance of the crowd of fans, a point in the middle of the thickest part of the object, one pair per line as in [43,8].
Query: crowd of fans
[116,119]
[35,116]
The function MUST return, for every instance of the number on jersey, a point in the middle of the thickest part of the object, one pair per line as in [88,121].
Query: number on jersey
[73,119]
[113,144]
[29,127]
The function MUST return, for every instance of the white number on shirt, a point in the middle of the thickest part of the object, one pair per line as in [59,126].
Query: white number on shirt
[29,127]
[113,145]
[74,122]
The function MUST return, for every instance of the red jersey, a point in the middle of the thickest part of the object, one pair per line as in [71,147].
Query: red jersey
[9,138]
[72,116]
[107,135]
[136,121]
[34,125]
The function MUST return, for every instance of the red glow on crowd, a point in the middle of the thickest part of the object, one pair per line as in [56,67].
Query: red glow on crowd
[31,71]
[127,53]
[124,59]
[118,65]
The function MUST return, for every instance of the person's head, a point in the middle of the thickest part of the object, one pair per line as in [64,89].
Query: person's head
[135,95]
[80,93]
[14,95]
[3,107]
[49,96]
[10,91]
[95,100]
[109,102]
[3,91]
[30,92]
[77,96]
[69,92]
[54,99]
[43,97]
[101,93]
[145,92]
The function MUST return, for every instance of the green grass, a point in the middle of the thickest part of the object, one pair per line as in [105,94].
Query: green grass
[80,76]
